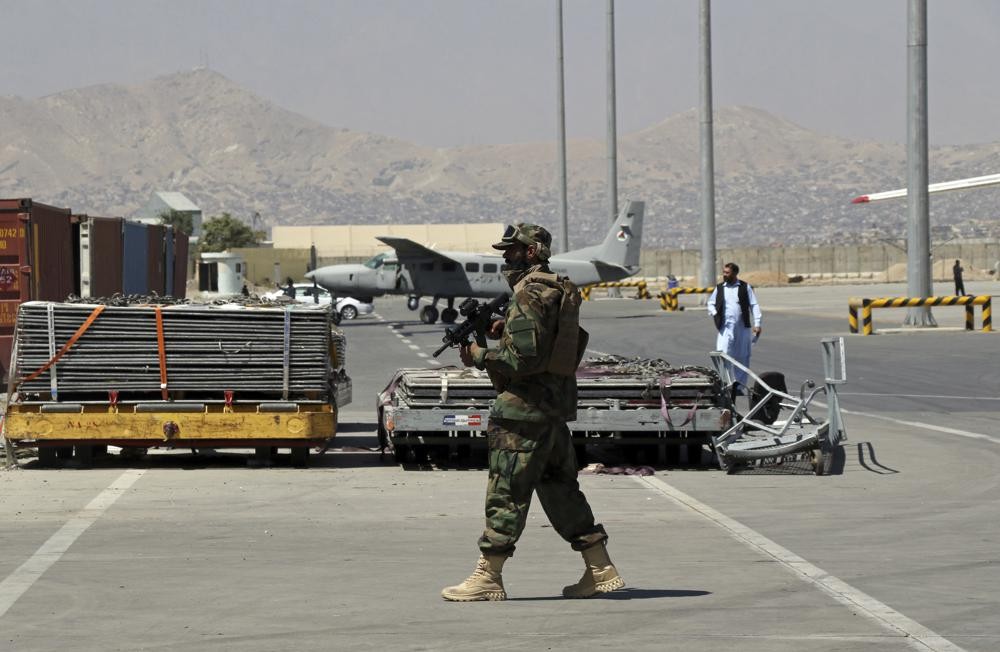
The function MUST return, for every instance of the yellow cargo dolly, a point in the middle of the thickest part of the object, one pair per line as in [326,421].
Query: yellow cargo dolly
[59,429]
[81,422]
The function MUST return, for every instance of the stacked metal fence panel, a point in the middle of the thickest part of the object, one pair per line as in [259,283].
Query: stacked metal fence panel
[632,382]
[258,353]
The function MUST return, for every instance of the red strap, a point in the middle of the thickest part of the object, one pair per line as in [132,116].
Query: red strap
[163,352]
[80,331]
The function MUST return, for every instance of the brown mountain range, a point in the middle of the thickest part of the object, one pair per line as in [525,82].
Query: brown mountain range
[104,149]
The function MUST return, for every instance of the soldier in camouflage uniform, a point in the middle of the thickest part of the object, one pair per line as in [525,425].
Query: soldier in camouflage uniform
[534,372]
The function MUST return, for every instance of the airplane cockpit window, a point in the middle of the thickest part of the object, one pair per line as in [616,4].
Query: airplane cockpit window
[489,268]
[472,267]
[375,262]
[449,267]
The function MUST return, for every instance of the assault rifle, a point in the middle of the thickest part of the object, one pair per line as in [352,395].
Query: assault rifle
[478,318]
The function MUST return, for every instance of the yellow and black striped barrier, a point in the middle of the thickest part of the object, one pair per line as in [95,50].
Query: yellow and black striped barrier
[668,299]
[866,306]
[641,285]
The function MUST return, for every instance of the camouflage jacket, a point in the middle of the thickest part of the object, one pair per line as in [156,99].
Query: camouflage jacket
[519,365]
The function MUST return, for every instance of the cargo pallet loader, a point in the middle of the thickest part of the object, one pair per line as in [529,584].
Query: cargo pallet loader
[652,412]
[173,377]
[647,408]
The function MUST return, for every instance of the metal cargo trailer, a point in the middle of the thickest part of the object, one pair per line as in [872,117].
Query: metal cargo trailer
[176,376]
[180,270]
[36,261]
[154,259]
[168,261]
[135,250]
[100,256]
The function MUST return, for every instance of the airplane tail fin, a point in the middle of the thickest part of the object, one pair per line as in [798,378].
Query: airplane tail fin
[622,244]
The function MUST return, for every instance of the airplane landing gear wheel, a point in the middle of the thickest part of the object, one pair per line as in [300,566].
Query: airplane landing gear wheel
[449,315]
[413,303]
[428,314]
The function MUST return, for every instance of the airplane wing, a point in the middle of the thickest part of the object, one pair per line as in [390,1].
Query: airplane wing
[406,248]
[960,184]
[604,267]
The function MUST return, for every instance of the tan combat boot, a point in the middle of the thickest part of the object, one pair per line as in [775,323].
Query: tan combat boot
[485,582]
[601,576]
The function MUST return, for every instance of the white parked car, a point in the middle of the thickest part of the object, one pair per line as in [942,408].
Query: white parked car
[347,307]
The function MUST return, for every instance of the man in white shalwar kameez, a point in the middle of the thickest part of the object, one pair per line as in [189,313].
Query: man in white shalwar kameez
[733,306]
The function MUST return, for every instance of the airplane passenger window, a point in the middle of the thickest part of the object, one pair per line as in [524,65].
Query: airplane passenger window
[472,267]
[427,266]
[489,268]
[449,267]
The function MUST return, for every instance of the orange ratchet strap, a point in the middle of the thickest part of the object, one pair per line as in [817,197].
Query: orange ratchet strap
[163,352]
[80,331]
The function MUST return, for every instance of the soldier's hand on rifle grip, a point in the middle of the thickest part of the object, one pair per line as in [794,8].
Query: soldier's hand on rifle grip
[467,353]
[496,329]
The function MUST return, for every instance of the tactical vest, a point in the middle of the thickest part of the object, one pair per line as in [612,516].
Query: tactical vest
[571,340]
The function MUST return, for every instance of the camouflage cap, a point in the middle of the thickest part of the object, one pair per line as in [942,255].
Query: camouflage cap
[529,234]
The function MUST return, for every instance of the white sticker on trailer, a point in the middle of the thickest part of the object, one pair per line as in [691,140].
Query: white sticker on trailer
[462,420]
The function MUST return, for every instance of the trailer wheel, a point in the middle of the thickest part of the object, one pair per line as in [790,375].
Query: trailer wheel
[84,455]
[820,459]
[400,453]
[46,457]
[300,457]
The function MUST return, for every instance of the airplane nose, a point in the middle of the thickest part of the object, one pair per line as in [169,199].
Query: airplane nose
[338,278]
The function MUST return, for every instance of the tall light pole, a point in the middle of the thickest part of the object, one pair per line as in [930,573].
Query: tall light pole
[561,127]
[612,138]
[708,273]
[918,249]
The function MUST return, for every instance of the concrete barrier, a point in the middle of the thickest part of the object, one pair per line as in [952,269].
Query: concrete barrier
[668,299]
[866,306]
[640,284]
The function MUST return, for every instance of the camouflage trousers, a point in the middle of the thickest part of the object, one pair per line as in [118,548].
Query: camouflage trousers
[530,457]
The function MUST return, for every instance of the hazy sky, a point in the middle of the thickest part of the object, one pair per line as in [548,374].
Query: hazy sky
[449,72]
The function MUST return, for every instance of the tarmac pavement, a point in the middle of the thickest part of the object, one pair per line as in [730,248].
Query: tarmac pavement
[896,550]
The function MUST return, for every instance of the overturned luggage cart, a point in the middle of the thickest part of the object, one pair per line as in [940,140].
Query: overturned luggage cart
[651,409]
[759,439]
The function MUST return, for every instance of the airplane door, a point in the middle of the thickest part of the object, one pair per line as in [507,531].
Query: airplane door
[390,277]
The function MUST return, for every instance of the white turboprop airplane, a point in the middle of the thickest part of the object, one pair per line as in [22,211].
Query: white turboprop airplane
[416,270]
[960,184]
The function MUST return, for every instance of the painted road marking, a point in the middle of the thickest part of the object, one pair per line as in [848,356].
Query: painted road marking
[423,355]
[928,426]
[413,346]
[950,398]
[15,585]
[916,635]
